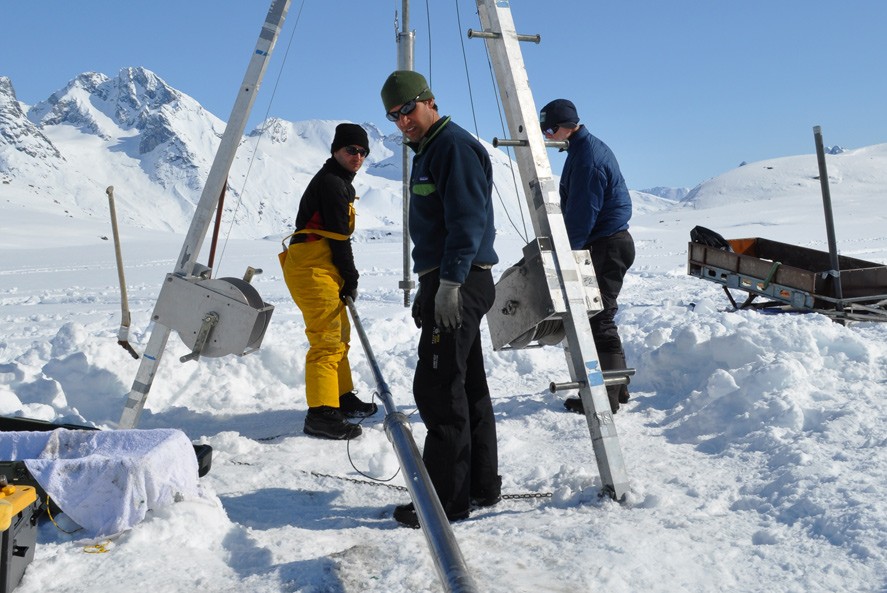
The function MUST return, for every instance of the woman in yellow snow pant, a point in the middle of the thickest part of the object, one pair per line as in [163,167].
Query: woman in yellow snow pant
[314,283]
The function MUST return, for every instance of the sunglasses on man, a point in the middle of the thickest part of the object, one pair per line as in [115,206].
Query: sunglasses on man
[405,109]
[353,150]
[552,130]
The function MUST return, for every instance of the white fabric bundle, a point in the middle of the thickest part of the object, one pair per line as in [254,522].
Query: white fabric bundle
[105,481]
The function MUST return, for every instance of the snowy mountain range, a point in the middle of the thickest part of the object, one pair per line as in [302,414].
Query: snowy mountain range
[155,145]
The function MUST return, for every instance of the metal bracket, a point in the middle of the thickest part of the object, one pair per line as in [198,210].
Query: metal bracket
[530,305]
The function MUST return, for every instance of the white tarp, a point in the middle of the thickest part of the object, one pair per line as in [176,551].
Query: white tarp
[105,481]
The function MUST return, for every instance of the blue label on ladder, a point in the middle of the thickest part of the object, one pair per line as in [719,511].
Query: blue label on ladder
[595,376]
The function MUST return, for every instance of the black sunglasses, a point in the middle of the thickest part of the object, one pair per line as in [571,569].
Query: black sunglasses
[552,130]
[353,150]
[405,109]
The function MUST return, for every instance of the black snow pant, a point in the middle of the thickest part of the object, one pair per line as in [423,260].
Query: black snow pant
[450,388]
[611,257]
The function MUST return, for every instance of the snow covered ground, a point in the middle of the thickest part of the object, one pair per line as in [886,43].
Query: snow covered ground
[756,444]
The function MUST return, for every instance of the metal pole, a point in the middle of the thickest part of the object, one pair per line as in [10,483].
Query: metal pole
[405,43]
[445,550]
[835,272]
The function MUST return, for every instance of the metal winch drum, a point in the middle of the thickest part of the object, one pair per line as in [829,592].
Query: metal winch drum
[214,317]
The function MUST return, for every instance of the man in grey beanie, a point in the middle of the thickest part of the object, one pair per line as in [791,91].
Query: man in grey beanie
[451,225]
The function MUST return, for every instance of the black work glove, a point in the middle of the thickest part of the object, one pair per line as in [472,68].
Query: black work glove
[417,308]
[349,290]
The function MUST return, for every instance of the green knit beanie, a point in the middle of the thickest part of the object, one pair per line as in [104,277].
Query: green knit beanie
[402,86]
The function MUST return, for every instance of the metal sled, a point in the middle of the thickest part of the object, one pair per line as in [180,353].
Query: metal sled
[793,278]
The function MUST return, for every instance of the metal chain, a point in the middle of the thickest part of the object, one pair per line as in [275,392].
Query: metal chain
[527,495]
[356,481]
[524,496]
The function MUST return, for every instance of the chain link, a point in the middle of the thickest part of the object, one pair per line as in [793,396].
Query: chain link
[527,495]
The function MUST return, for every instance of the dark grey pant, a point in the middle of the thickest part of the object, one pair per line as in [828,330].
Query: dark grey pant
[450,388]
[611,257]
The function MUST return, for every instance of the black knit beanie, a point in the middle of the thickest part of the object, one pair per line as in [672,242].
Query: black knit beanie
[559,111]
[350,134]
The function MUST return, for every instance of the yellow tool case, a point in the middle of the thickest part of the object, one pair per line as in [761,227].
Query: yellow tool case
[18,522]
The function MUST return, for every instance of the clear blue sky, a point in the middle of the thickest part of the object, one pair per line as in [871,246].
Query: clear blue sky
[681,91]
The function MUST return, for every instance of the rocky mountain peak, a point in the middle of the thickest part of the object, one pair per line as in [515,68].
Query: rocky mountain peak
[20,140]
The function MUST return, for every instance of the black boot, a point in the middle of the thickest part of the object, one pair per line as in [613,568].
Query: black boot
[487,497]
[326,422]
[352,407]
[617,394]
[574,404]
[406,515]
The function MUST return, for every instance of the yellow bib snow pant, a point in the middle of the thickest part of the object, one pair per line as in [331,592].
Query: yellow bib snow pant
[314,283]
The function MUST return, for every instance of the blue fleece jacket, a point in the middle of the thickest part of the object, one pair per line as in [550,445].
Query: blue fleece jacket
[451,206]
[594,198]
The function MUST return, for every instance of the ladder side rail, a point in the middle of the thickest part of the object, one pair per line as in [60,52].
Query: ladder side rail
[216,180]
[544,204]
[233,135]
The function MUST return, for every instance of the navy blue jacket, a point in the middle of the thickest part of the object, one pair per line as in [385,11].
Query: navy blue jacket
[451,205]
[594,198]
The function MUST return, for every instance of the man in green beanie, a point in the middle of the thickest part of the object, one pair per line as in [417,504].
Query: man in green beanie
[451,225]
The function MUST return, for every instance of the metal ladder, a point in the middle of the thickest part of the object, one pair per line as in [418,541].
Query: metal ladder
[543,199]
[190,300]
